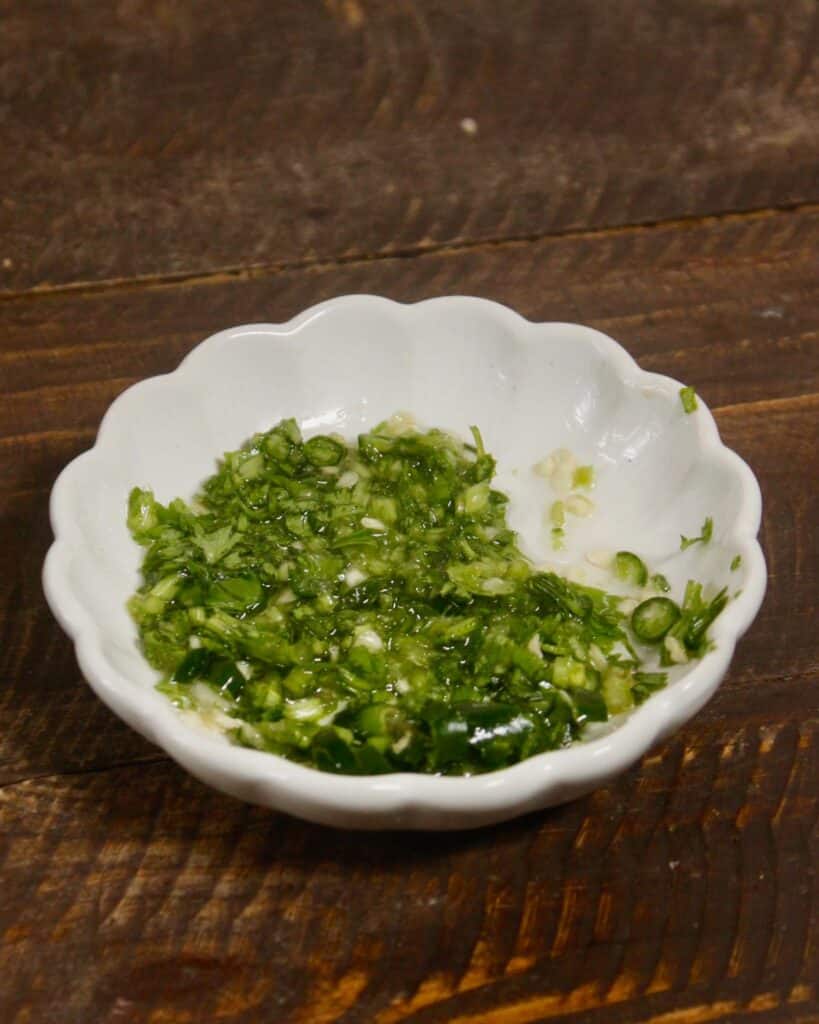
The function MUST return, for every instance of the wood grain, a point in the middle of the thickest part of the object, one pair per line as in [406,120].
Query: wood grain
[686,888]
[155,137]
[709,302]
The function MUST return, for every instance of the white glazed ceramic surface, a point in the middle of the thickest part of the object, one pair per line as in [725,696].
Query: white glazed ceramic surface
[343,366]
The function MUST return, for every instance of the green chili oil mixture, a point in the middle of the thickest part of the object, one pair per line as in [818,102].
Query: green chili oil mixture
[364,608]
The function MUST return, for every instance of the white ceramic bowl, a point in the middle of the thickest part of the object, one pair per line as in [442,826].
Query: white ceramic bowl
[344,365]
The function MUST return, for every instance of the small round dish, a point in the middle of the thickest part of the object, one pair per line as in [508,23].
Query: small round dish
[343,366]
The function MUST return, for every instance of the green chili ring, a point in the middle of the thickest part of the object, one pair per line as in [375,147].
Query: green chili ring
[652,619]
[630,569]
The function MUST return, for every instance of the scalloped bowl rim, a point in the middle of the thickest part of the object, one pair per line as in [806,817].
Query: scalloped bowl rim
[406,800]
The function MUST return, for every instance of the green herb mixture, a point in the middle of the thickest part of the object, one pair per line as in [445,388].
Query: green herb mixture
[364,608]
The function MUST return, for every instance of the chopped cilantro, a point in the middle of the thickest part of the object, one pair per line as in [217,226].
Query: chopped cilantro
[647,683]
[706,533]
[697,614]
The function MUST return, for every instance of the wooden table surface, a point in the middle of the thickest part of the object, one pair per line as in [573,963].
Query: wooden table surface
[649,168]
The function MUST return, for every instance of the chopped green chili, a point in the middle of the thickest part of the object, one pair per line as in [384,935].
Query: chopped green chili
[583,477]
[688,397]
[736,562]
[630,569]
[557,514]
[652,619]
[365,608]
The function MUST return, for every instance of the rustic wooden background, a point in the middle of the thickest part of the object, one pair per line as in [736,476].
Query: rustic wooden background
[651,168]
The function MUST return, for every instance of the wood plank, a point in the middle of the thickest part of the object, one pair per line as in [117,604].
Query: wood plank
[709,303]
[170,139]
[684,891]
